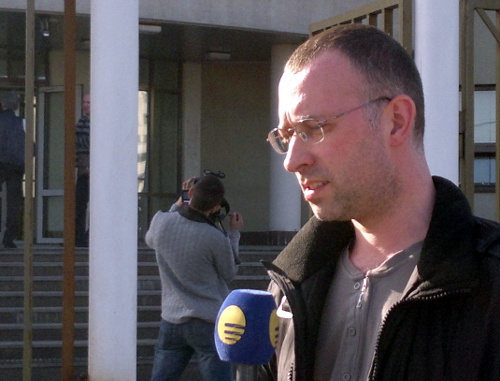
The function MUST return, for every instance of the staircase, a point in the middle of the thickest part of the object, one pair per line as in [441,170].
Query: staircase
[47,309]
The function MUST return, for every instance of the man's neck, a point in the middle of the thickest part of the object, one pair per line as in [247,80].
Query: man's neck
[206,213]
[397,230]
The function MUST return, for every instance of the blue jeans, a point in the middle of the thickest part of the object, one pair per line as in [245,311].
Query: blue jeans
[176,345]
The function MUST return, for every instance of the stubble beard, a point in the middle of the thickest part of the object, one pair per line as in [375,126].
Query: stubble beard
[364,198]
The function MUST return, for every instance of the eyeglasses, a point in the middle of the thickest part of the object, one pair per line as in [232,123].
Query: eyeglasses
[308,129]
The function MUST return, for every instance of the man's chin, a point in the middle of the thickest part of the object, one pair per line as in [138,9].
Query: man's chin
[326,215]
[319,213]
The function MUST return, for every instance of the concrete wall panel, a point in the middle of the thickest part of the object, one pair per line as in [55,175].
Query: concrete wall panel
[235,122]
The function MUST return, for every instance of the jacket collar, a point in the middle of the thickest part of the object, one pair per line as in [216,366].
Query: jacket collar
[191,214]
[316,245]
[447,259]
[446,254]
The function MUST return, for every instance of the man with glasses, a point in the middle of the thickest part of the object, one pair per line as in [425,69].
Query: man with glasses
[393,278]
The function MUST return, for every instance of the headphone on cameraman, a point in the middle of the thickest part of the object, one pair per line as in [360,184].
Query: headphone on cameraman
[218,216]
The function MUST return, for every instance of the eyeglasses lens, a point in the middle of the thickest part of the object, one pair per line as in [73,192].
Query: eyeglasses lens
[279,140]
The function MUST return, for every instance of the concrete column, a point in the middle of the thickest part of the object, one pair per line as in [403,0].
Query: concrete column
[113,190]
[285,195]
[437,57]
[191,128]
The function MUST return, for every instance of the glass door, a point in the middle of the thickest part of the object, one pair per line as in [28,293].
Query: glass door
[50,163]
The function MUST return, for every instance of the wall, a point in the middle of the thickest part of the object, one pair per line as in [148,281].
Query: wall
[234,126]
[293,16]
[235,122]
[56,67]
[484,205]
[485,51]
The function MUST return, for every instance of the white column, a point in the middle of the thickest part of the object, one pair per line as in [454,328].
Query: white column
[113,190]
[191,128]
[285,195]
[437,58]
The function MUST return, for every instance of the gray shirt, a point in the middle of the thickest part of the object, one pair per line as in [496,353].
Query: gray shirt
[355,307]
[196,262]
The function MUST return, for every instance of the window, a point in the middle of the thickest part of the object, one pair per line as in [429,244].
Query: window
[484,139]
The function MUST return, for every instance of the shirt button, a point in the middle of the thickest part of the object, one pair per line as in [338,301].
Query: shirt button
[352,331]
[346,377]
[357,285]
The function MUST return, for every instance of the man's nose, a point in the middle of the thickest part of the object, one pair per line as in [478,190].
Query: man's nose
[297,155]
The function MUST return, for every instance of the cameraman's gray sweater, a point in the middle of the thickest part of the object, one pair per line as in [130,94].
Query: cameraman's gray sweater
[196,263]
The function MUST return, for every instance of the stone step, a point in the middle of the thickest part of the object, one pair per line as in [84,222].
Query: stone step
[50,369]
[54,298]
[47,310]
[40,269]
[14,268]
[12,334]
[10,315]
[52,348]
[54,251]
[148,281]
[148,294]
[14,263]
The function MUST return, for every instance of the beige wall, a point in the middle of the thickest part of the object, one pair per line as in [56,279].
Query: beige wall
[292,16]
[56,67]
[235,121]
[234,125]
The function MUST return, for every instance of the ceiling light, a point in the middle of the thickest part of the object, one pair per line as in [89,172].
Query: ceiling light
[221,56]
[44,27]
[149,29]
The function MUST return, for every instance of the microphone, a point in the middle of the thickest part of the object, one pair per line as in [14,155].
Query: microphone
[247,327]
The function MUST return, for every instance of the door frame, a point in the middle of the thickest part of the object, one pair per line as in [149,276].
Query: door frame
[40,192]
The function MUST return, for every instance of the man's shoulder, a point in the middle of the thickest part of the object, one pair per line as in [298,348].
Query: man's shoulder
[163,214]
[10,116]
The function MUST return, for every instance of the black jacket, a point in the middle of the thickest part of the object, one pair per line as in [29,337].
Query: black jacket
[11,139]
[446,328]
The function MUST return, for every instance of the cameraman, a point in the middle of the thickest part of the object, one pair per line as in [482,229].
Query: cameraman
[196,262]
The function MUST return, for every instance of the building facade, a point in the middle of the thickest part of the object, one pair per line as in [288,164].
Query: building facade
[207,98]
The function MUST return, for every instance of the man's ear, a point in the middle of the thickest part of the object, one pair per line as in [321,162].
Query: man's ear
[402,116]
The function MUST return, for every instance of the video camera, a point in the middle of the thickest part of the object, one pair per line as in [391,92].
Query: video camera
[225,208]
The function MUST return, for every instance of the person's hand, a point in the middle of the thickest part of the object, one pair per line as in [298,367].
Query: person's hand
[186,185]
[235,221]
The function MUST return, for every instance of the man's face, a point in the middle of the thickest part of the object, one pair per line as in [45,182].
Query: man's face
[86,105]
[350,174]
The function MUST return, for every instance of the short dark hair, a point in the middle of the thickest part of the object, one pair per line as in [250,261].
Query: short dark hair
[11,101]
[208,192]
[388,69]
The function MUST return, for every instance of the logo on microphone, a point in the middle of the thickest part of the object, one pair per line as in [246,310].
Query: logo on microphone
[231,325]
[274,329]
[247,327]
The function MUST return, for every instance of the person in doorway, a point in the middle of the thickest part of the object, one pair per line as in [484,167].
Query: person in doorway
[393,278]
[83,174]
[12,141]
[196,262]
